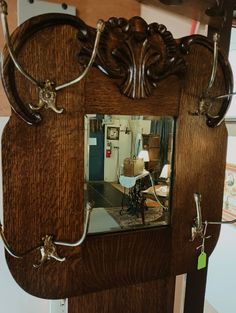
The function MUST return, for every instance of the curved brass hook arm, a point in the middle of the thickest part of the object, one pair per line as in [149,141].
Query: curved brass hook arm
[216,37]
[3,12]
[48,249]
[204,103]
[205,100]
[100,29]
[10,250]
[197,228]
[86,227]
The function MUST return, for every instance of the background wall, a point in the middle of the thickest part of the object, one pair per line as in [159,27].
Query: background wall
[12,18]
[179,26]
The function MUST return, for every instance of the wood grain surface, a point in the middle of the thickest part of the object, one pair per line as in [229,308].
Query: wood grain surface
[147,297]
[47,188]
[43,180]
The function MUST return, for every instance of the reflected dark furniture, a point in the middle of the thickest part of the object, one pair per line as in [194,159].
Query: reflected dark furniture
[135,201]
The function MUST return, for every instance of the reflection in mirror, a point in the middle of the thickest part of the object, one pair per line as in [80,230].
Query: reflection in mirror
[128,162]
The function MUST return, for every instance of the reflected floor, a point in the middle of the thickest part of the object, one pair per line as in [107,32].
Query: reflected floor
[104,194]
[109,215]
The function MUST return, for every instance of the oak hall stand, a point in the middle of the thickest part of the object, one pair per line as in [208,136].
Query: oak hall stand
[139,69]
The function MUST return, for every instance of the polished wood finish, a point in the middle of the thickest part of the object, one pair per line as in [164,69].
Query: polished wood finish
[156,297]
[35,199]
[137,55]
[43,173]
[195,291]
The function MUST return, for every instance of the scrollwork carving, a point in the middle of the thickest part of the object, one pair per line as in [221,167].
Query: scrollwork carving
[135,54]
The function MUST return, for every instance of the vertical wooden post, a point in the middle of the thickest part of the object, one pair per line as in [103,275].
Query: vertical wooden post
[195,291]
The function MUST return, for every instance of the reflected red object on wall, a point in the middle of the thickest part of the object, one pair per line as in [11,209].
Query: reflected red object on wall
[108,149]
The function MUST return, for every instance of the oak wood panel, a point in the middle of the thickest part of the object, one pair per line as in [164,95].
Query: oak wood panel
[46,187]
[195,291]
[199,164]
[147,297]
[207,174]
[98,90]
[115,260]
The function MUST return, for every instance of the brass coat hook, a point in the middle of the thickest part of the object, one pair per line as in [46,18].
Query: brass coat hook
[47,89]
[48,252]
[206,101]
[197,228]
[48,249]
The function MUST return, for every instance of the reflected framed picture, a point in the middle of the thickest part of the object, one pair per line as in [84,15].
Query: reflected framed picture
[113,133]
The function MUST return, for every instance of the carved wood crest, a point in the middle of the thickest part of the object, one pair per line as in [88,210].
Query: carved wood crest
[135,54]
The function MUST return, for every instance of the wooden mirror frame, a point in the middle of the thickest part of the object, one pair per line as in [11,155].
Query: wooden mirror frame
[43,164]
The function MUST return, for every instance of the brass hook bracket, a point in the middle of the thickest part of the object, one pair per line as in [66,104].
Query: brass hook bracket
[197,228]
[47,98]
[48,251]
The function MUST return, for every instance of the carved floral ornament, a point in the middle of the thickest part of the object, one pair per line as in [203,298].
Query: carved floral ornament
[136,54]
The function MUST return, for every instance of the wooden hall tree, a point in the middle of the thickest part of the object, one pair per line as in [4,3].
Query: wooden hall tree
[132,271]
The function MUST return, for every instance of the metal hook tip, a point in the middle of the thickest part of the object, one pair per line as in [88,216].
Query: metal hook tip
[216,37]
[101,25]
[3,7]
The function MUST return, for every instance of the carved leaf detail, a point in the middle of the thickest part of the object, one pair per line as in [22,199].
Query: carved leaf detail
[136,55]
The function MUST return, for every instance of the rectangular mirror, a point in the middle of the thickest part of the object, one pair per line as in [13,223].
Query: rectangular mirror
[128,163]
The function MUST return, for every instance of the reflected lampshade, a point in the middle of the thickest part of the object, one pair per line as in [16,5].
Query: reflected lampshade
[143,154]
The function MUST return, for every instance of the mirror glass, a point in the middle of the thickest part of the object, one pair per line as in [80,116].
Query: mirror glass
[128,162]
